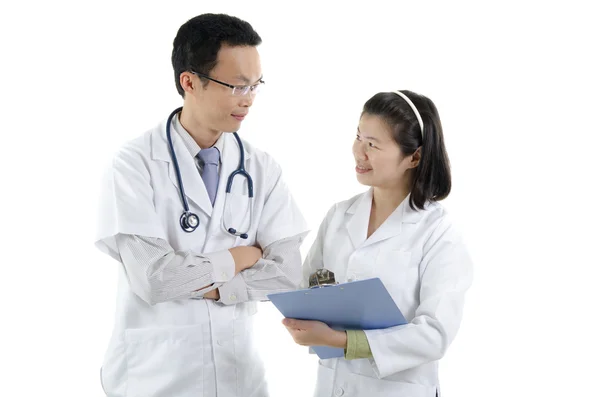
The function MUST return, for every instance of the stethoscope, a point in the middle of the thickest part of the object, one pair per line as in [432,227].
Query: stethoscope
[190,221]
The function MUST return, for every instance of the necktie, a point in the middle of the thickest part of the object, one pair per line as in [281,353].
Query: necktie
[210,175]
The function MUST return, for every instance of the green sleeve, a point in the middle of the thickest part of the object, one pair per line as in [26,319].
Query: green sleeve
[358,346]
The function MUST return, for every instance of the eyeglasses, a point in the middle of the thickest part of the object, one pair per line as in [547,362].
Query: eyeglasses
[236,90]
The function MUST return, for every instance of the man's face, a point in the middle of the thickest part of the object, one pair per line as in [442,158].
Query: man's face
[215,105]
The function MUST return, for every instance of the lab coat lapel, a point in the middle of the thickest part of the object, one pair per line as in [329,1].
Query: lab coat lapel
[357,218]
[391,227]
[402,218]
[192,181]
[358,215]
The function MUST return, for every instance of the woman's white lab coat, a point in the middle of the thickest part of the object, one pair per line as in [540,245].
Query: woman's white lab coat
[421,260]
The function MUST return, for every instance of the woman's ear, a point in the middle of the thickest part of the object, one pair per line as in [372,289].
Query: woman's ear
[415,158]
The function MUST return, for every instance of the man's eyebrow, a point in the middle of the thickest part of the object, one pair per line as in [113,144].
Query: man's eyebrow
[247,80]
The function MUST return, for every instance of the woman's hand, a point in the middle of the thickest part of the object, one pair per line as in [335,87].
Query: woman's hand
[315,333]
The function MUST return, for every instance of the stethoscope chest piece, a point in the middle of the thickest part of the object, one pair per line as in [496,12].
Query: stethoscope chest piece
[189,221]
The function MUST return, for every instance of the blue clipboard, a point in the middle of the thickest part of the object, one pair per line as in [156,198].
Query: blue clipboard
[364,304]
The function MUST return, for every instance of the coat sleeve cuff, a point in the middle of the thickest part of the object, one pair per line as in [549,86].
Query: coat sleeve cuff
[358,345]
[234,291]
[223,265]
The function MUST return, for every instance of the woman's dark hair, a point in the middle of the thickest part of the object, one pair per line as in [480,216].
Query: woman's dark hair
[432,181]
[199,40]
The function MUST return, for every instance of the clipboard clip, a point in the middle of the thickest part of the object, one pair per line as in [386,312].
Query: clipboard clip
[321,278]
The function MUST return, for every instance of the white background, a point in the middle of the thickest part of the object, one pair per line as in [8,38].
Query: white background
[517,88]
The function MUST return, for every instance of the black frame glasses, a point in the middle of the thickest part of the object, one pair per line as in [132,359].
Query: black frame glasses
[236,90]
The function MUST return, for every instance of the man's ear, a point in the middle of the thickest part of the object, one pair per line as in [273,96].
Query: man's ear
[188,82]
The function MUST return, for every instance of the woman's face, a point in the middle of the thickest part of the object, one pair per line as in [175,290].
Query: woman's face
[379,160]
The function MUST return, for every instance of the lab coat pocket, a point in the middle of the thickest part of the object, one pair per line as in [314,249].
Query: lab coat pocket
[362,385]
[164,361]
[325,380]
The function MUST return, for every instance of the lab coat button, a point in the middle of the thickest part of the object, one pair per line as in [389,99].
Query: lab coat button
[232,297]
[224,275]
[339,392]
[220,343]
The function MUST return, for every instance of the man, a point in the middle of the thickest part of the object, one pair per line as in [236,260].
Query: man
[195,257]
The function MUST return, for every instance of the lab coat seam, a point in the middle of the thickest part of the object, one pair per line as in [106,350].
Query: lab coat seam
[426,242]
[126,366]
[237,382]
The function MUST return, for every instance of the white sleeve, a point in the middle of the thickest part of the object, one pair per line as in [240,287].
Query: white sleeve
[278,270]
[126,202]
[281,218]
[157,273]
[130,231]
[446,274]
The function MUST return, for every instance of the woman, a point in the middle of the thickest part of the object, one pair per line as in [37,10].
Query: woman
[397,231]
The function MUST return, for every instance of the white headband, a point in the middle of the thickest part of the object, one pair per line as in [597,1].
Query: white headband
[414,108]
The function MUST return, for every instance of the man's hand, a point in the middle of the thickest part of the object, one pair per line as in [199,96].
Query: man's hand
[315,333]
[213,294]
[245,257]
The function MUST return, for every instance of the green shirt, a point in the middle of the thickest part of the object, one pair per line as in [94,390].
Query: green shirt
[358,346]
